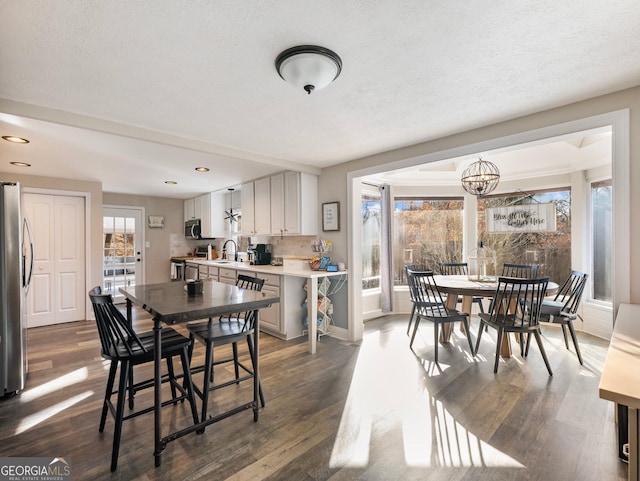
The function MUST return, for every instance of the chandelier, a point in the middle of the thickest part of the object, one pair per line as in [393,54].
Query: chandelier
[230,215]
[480,178]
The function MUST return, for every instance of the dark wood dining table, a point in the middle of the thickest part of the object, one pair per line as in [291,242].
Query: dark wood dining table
[455,286]
[169,303]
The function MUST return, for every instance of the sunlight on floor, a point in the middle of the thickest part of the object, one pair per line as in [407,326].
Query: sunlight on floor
[55,385]
[392,389]
[33,420]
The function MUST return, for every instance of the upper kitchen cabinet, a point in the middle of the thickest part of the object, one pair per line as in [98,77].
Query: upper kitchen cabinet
[294,204]
[189,209]
[256,201]
[209,208]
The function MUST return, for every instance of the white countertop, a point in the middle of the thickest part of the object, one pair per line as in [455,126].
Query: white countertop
[620,380]
[284,270]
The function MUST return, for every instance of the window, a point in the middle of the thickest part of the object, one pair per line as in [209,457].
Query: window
[601,222]
[371,225]
[428,231]
[550,250]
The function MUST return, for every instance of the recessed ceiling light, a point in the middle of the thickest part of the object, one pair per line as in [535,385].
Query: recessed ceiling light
[20,164]
[170,182]
[15,140]
[202,169]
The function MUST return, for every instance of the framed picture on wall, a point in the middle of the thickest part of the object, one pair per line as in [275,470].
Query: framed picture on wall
[331,216]
[156,222]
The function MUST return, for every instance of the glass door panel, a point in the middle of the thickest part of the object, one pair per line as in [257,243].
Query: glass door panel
[122,253]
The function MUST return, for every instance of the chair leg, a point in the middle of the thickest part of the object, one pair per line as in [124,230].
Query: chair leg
[207,375]
[107,394]
[526,350]
[132,391]
[542,351]
[188,383]
[172,378]
[482,325]
[564,334]
[235,361]
[435,340]
[253,363]
[498,346]
[117,430]
[575,341]
[521,342]
[413,313]
[416,323]
[466,328]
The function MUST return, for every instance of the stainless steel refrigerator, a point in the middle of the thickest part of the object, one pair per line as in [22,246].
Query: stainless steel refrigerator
[16,266]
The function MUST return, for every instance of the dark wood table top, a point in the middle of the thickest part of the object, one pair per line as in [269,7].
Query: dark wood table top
[170,303]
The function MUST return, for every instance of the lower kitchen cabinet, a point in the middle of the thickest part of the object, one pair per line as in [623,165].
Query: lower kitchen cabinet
[283,319]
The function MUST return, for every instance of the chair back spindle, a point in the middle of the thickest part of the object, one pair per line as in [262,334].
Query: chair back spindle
[522,271]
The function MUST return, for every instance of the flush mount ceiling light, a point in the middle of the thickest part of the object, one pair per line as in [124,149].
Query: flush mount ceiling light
[202,169]
[309,67]
[480,178]
[15,140]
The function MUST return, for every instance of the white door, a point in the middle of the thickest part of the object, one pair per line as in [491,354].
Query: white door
[57,292]
[122,249]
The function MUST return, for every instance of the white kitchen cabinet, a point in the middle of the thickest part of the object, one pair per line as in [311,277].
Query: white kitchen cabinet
[214,215]
[209,208]
[248,209]
[294,204]
[256,210]
[189,209]
[207,272]
[271,319]
[228,276]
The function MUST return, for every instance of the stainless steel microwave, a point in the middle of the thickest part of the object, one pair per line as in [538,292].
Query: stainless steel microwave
[192,229]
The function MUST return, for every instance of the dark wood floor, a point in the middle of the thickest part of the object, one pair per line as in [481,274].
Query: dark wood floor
[367,411]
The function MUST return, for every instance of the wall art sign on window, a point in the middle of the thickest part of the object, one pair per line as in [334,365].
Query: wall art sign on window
[522,218]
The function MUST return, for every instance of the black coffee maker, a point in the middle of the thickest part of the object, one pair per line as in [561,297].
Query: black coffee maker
[259,254]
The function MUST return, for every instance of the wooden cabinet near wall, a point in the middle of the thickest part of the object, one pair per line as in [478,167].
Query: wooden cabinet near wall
[294,204]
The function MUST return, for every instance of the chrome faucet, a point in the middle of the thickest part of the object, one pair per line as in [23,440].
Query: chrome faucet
[235,249]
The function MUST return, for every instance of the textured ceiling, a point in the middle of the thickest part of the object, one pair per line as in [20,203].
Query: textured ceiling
[195,80]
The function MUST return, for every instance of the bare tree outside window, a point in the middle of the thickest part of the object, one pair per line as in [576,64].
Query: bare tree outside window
[428,231]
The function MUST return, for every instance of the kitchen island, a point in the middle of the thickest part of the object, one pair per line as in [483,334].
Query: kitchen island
[283,320]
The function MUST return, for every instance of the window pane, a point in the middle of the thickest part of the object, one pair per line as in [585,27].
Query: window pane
[601,194]
[550,250]
[427,232]
[371,234]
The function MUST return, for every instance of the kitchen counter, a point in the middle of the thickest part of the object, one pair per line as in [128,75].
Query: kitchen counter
[284,270]
[290,269]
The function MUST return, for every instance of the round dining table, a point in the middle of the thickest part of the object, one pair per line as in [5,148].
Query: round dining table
[468,288]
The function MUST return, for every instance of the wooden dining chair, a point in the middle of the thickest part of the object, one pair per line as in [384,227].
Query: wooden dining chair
[563,308]
[516,308]
[431,307]
[223,331]
[125,348]
[459,269]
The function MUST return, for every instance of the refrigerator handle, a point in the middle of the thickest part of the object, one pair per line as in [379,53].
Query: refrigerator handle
[27,281]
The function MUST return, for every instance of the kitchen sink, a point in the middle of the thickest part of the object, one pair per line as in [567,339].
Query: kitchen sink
[223,261]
